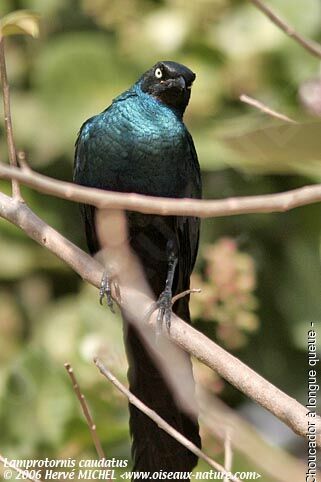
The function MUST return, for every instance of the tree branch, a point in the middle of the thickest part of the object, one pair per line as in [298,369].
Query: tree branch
[85,410]
[7,116]
[22,216]
[229,367]
[264,108]
[312,47]
[267,203]
[157,419]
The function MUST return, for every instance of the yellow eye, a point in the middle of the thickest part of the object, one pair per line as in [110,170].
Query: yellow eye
[158,73]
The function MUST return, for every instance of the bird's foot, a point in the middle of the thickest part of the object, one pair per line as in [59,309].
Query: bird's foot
[164,305]
[105,292]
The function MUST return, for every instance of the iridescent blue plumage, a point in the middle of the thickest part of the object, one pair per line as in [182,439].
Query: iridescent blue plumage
[140,144]
[141,135]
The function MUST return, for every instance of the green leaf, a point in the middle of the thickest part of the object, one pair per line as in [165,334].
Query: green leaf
[280,149]
[21,22]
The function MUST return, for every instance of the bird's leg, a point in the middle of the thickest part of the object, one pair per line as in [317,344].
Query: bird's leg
[105,290]
[164,302]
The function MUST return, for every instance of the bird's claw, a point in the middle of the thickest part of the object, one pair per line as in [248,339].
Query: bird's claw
[164,305]
[105,291]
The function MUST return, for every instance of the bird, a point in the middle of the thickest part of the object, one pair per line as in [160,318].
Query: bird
[140,144]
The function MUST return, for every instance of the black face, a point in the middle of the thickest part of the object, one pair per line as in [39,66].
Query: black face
[169,82]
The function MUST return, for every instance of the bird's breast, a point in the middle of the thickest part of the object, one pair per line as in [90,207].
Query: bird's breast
[148,152]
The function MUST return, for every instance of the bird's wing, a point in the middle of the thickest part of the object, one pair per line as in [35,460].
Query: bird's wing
[81,165]
[189,227]
[193,223]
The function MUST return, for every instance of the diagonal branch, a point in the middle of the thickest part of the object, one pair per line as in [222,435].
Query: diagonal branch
[313,47]
[288,410]
[273,460]
[85,410]
[267,203]
[158,420]
[266,109]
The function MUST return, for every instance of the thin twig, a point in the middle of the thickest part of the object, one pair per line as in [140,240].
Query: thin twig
[267,203]
[264,108]
[7,117]
[228,454]
[24,473]
[185,293]
[86,412]
[157,419]
[285,408]
[23,160]
[175,298]
[274,461]
[313,47]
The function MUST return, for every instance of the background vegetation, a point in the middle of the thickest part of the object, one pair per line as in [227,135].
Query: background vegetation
[260,274]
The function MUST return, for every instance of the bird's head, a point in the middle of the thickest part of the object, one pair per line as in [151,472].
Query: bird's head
[169,82]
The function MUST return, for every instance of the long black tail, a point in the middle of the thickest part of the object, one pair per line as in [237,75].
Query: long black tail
[152,448]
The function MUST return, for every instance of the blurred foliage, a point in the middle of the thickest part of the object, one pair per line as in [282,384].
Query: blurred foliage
[20,22]
[262,272]
[227,296]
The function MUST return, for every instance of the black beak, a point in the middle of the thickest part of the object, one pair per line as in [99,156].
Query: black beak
[178,82]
